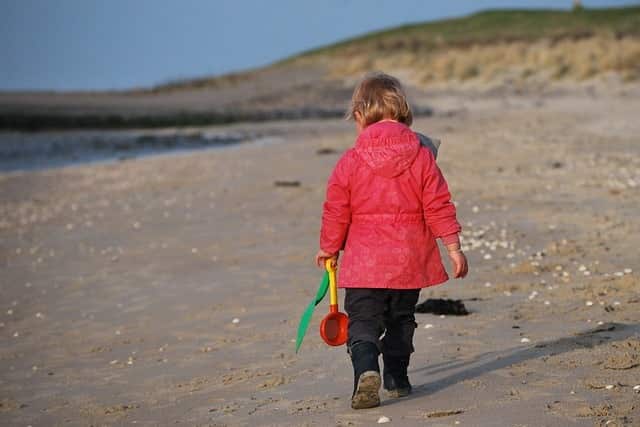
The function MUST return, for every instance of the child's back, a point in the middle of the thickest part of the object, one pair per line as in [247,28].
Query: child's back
[390,191]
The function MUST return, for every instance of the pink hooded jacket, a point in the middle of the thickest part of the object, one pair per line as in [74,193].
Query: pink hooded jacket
[386,203]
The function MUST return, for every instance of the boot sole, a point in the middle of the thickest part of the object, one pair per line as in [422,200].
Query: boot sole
[401,392]
[366,395]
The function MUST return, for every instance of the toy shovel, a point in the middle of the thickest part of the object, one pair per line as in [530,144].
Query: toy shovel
[308,313]
[333,328]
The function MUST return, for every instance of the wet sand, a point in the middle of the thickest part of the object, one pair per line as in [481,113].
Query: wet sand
[121,281]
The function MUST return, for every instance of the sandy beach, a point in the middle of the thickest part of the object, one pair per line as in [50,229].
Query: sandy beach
[167,290]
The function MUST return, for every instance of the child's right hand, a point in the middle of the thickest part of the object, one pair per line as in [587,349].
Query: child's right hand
[459,263]
[322,257]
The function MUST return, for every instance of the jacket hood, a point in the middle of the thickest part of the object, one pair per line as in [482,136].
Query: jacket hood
[388,148]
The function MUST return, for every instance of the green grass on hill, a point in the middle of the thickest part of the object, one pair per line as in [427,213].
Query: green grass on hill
[493,27]
[483,28]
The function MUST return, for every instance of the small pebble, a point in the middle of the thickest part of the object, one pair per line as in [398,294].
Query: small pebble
[487,285]
[636,388]
[628,271]
[547,302]
[39,315]
[235,320]
[525,340]
[428,326]
[589,303]
[487,256]
[384,420]
[609,386]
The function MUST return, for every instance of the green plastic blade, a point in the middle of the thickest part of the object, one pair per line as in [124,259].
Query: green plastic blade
[308,312]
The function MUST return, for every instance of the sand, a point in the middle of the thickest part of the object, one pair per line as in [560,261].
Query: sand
[121,282]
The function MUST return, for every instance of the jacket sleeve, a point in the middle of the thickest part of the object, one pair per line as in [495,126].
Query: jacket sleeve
[336,212]
[439,211]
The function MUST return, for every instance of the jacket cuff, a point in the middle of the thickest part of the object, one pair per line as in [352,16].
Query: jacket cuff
[332,237]
[450,239]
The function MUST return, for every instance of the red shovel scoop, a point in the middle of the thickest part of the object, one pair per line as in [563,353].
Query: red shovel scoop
[333,328]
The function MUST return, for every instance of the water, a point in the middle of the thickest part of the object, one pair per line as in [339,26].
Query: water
[45,150]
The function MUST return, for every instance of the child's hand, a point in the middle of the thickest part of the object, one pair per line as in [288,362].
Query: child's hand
[322,257]
[459,263]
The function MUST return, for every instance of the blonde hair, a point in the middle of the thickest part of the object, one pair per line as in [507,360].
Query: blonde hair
[380,96]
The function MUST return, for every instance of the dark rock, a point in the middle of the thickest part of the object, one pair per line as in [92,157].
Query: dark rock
[325,151]
[442,306]
[287,183]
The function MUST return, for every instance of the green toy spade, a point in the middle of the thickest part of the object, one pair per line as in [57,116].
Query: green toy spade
[306,316]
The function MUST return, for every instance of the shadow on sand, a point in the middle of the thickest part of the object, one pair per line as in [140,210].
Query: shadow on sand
[490,361]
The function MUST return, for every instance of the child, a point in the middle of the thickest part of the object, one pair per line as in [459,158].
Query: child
[386,204]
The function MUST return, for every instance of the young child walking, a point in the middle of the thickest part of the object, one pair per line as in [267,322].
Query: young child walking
[386,204]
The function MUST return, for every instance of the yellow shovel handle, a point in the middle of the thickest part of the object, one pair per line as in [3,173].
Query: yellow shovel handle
[333,289]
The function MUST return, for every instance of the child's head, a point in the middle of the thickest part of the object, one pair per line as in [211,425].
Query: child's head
[378,97]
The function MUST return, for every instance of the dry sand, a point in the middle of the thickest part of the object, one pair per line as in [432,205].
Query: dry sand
[121,281]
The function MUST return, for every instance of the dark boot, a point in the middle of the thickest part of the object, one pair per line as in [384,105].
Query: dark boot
[366,375]
[396,381]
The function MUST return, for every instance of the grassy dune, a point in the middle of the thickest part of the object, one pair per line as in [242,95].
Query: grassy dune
[516,61]
[497,46]
[497,26]
[489,47]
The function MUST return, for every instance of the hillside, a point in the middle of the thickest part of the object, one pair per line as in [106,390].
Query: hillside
[571,45]
[496,26]
[494,50]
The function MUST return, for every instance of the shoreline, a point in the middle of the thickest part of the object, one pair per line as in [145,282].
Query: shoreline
[42,112]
